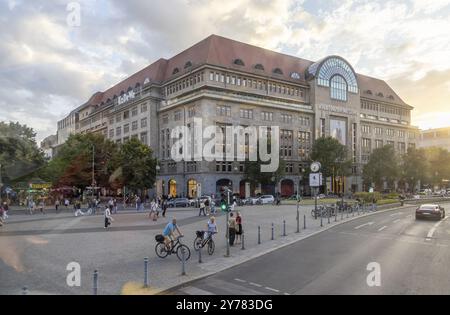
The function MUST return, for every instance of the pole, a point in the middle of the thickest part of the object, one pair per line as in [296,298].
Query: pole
[315,202]
[273,230]
[93,170]
[259,235]
[200,255]
[298,221]
[95,287]
[242,239]
[228,230]
[183,262]
[146,272]
[304,221]
[284,227]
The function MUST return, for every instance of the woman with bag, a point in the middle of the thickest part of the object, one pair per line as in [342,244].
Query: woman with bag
[239,230]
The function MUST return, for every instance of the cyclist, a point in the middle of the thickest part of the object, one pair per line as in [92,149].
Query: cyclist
[211,228]
[168,233]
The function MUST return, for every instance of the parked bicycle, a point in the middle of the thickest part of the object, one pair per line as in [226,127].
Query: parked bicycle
[200,242]
[174,248]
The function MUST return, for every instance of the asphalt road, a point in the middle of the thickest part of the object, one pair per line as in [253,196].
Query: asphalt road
[413,257]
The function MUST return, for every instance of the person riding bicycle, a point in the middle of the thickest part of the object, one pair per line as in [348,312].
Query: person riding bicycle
[168,233]
[211,228]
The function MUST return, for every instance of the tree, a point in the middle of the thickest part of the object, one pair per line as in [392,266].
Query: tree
[383,166]
[19,154]
[414,167]
[137,168]
[72,166]
[332,155]
[438,160]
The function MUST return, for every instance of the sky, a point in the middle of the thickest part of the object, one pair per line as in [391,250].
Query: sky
[49,65]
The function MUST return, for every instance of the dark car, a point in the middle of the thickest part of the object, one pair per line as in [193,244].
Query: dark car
[178,202]
[430,211]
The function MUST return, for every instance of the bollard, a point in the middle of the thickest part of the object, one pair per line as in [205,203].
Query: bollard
[348,209]
[284,227]
[273,232]
[298,222]
[321,220]
[200,255]
[146,272]
[342,214]
[242,240]
[183,262]
[335,214]
[95,287]
[329,215]
[304,221]
[24,291]
[259,235]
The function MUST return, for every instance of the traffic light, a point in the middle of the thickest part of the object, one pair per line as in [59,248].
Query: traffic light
[224,206]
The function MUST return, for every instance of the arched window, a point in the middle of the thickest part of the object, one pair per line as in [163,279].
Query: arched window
[175,71]
[380,94]
[278,71]
[130,89]
[338,88]
[295,76]
[239,62]
[188,65]
[369,92]
[259,67]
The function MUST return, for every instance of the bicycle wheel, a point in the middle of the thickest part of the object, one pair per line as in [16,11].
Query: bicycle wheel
[187,252]
[161,251]
[197,243]
[211,247]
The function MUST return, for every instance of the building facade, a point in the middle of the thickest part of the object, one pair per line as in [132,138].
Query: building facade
[435,138]
[227,83]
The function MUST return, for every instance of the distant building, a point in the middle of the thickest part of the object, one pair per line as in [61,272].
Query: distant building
[48,145]
[435,138]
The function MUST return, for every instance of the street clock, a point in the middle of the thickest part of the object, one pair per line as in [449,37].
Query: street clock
[315,167]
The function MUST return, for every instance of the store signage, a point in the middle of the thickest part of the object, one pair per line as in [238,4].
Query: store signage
[126,97]
[336,109]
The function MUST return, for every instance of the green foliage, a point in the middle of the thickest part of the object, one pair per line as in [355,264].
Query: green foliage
[383,166]
[368,197]
[414,167]
[438,165]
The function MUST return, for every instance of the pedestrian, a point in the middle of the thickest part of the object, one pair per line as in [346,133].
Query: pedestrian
[202,208]
[213,207]
[2,211]
[207,207]
[239,230]
[115,205]
[108,217]
[5,211]
[31,206]
[164,207]
[231,229]
[138,203]
[66,203]
[153,210]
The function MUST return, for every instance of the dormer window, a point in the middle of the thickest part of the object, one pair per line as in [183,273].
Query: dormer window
[130,89]
[391,97]
[295,76]
[259,67]
[175,71]
[380,94]
[188,65]
[277,71]
[239,62]
[369,92]
[138,85]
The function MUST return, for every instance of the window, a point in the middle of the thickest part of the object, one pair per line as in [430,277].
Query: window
[305,121]
[401,134]
[289,168]
[134,125]
[111,122]
[187,65]
[126,128]
[365,129]
[278,71]
[144,138]
[402,147]
[390,132]
[165,119]
[366,144]
[223,111]
[378,131]
[267,116]
[286,143]
[246,113]
[118,118]
[239,62]
[391,143]
[111,133]
[295,76]
[177,115]
[224,167]
[378,144]
[304,145]
[411,135]
[286,118]
[134,111]
[143,108]
[259,67]
[322,127]
[338,88]
[118,131]
[126,114]
[143,122]
[191,112]
[211,76]
[175,71]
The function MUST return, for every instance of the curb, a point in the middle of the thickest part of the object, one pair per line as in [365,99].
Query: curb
[268,251]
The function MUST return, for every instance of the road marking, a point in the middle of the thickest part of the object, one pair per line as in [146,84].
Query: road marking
[396,221]
[255,284]
[433,229]
[195,291]
[273,290]
[363,225]
[286,294]
[240,280]
[396,214]
[382,229]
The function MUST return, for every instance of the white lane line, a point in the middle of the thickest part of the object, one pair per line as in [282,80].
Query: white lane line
[363,225]
[286,294]
[240,280]
[195,291]
[382,229]
[396,221]
[396,214]
[255,285]
[433,229]
[273,290]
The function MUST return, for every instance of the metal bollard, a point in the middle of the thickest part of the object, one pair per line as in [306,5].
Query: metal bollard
[95,286]
[321,220]
[304,221]
[242,240]
[24,291]
[347,212]
[329,215]
[146,272]
[200,255]
[259,235]
[342,214]
[183,262]
[273,232]
[335,215]
[284,227]
[298,222]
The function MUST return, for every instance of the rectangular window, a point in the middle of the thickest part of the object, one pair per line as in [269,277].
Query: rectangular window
[134,125]
[118,118]
[143,122]
[304,145]
[246,113]
[267,116]
[211,76]
[118,131]
[134,111]
[390,132]
[322,127]
[126,114]
[378,144]
[144,138]
[111,133]
[177,115]
[143,108]
[401,134]
[286,118]
[365,129]
[126,128]
[165,119]
[223,111]
[191,112]
[378,131]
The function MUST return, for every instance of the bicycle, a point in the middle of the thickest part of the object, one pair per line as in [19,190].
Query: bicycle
[200,242]
[175,248]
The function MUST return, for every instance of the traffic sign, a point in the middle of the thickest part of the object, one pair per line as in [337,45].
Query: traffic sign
[315,179]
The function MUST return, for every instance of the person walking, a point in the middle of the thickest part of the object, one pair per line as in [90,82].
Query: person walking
[164,207]
[5,210]
[153,210]
[108,217]
[115,205]
[42,206]
[202,208]
[239,230]
[207,207]
[57,203]
[231,229]
[213,207]
[2,212]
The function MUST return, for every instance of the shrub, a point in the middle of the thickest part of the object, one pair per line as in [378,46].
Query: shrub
[368,197]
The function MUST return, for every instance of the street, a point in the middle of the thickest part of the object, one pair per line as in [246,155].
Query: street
[413,256]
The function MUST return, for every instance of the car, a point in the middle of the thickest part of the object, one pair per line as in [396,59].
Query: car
[433,211]
[266,199]
[178,202]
